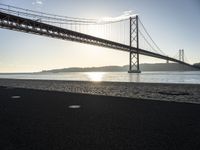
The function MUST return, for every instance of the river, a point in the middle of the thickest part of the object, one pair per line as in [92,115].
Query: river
[190,77]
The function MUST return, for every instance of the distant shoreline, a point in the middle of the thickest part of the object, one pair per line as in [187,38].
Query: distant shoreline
[47,72]
[125,68]
[154,67]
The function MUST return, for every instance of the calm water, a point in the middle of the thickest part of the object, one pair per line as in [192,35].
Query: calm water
[157,77]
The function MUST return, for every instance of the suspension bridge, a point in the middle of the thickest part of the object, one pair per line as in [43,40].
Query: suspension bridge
[125,34]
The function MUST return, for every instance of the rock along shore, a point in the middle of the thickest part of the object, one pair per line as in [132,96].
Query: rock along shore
[189,93]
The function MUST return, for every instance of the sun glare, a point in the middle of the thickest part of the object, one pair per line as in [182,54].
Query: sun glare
[97,31]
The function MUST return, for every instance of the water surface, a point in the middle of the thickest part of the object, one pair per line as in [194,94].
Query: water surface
[192,77]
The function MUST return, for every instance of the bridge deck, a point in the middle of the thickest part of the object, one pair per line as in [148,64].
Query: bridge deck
[17,23]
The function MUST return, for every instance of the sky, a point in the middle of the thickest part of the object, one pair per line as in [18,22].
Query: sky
[173,24]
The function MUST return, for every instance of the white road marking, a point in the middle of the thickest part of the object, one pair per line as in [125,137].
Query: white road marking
[15,97]
[74,106]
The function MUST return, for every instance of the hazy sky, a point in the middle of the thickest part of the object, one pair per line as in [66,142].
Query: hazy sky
[173,24]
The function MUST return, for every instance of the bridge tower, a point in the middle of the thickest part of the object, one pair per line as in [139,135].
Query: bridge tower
[134,42]
[181,55]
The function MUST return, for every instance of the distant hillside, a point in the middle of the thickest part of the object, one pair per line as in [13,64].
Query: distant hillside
[197,64]
[166,67]
[143,67]
[89,69]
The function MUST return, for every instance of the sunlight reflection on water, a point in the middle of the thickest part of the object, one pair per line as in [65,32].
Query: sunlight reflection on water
[95,76]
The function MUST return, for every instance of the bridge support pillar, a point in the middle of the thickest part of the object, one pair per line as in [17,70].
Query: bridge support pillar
[134,66]
[181,55]
[134,63]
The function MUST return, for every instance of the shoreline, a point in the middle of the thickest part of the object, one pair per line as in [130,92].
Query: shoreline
[187,93]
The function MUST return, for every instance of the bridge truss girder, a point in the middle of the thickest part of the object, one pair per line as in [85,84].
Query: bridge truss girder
[16,23]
